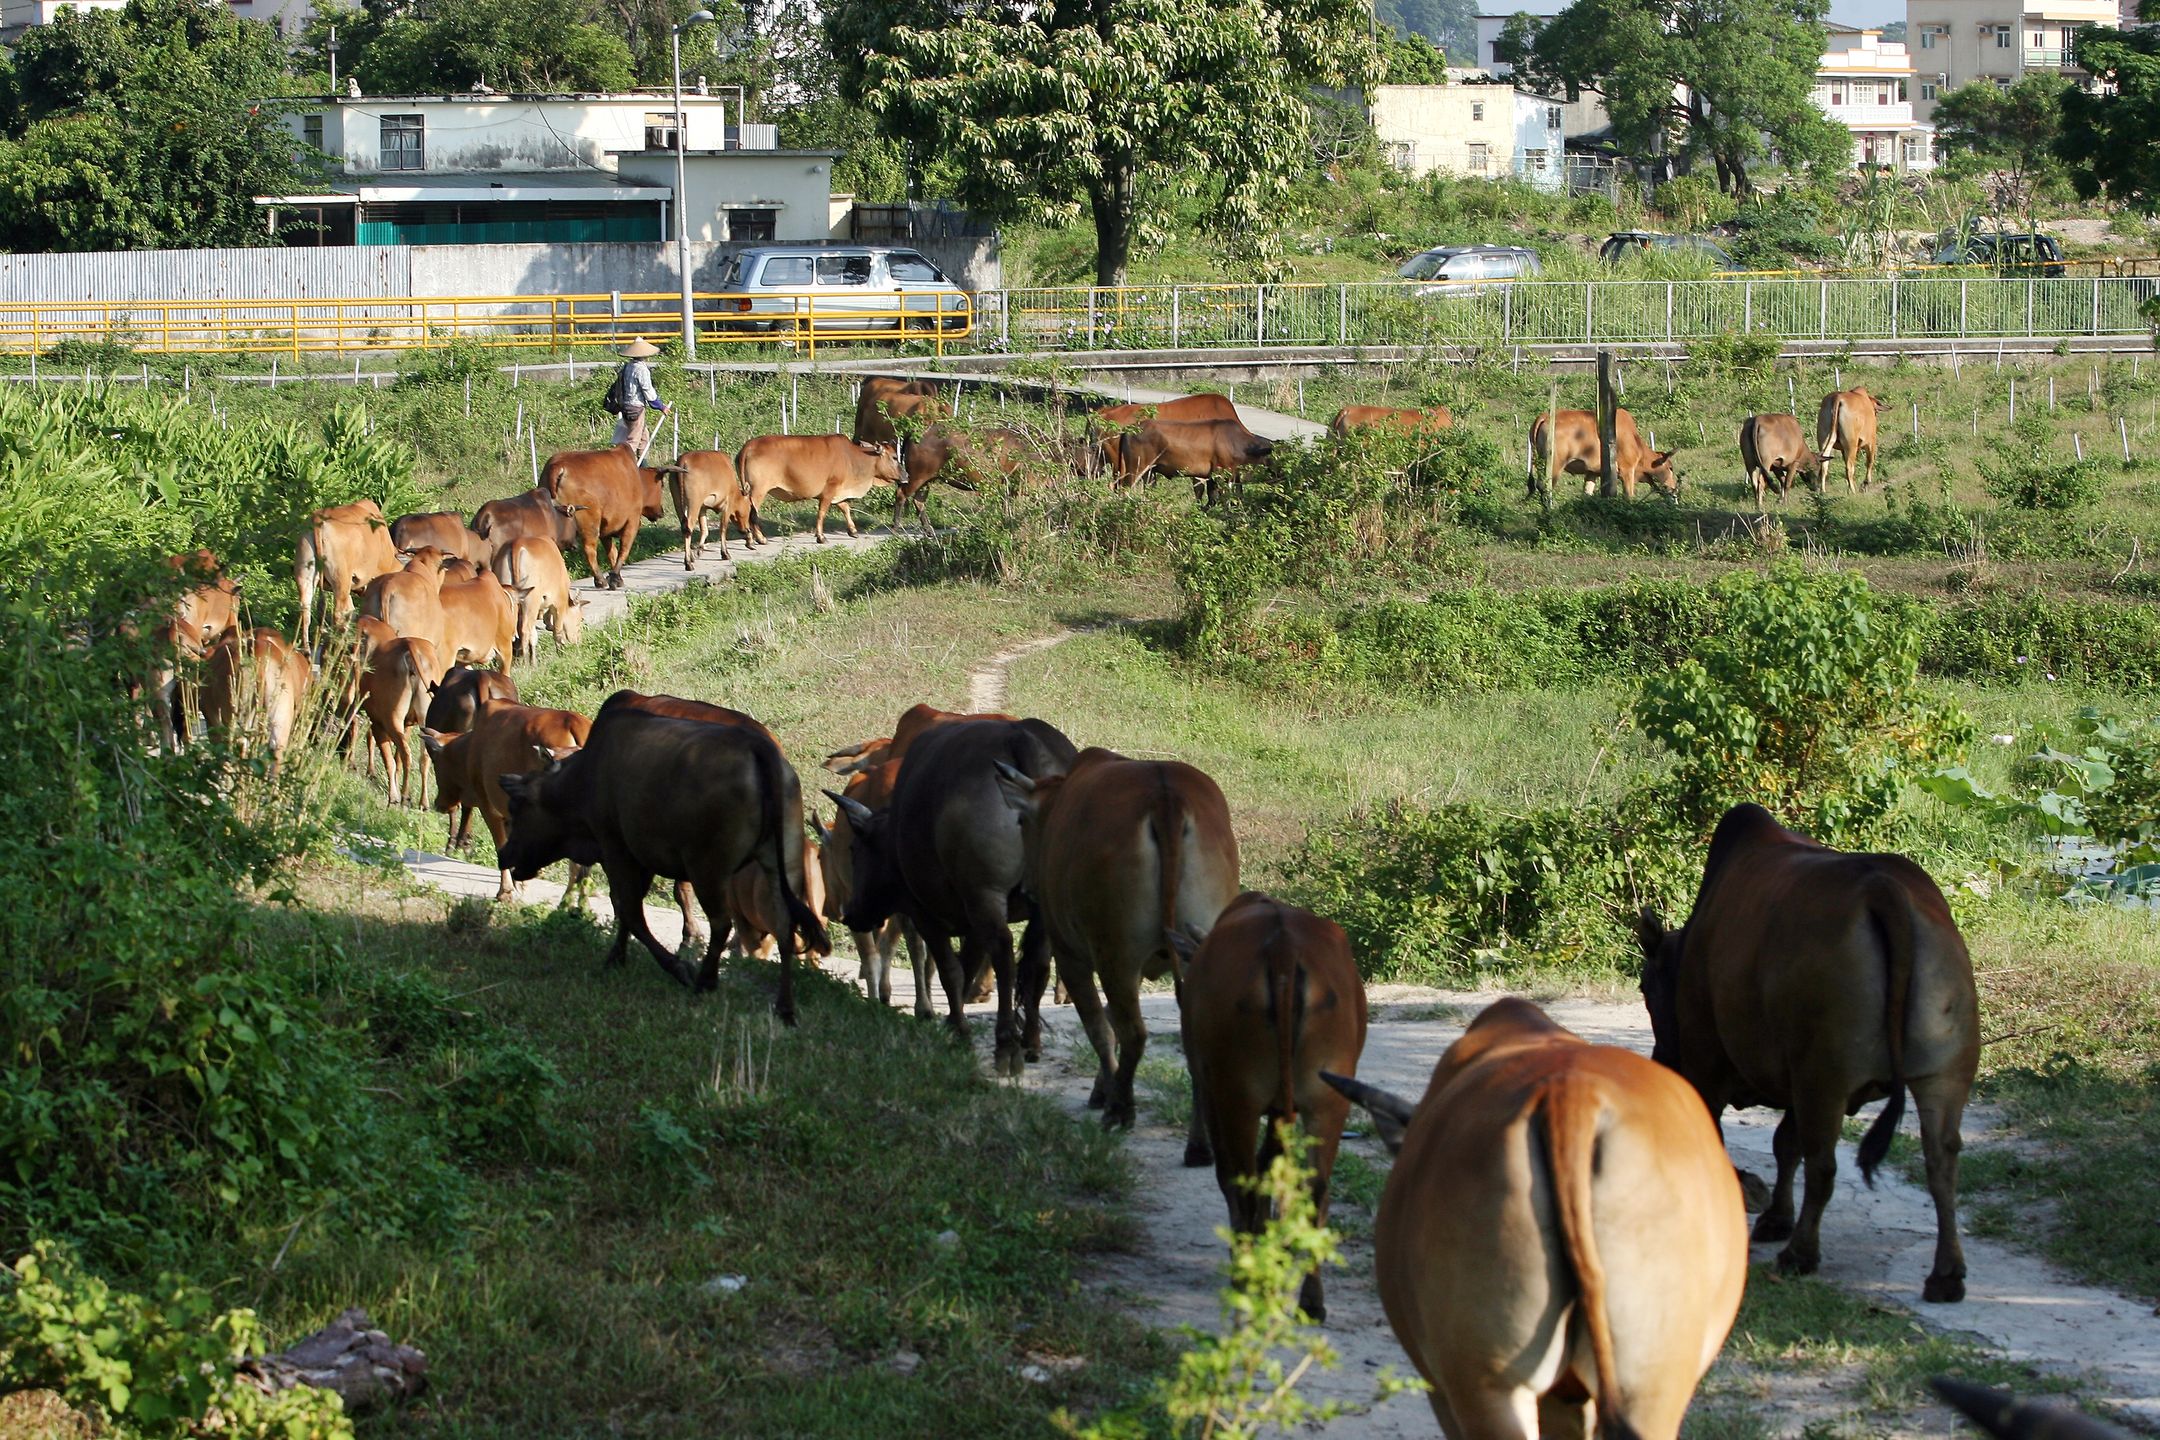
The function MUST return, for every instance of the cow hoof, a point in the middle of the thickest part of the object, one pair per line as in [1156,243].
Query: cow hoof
[1009,1062]
[1791,1262]
[614,580]
[1944,1289]
[1770,1228]
[1096,1095]
[1310,1302]
[1118,1117]
[1198,1154]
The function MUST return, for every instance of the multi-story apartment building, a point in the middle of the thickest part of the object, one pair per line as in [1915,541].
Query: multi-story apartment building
[1954,42]
[1866,84]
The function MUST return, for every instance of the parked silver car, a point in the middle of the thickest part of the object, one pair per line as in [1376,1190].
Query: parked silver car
[840,287]
[1469,269]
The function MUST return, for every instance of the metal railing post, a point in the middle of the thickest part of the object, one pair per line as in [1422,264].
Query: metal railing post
[1747,305]
[2028,307]
[1964,294]
[1005,319]
[1342,314]
[1091,317]
[1822,311]
[1259,315]
[1507,314]
[1177,317]
[1589,306]
[2096,305]
[1668,311]
[1893,307]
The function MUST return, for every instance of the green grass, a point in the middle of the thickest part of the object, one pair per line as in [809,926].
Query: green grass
[579,1288]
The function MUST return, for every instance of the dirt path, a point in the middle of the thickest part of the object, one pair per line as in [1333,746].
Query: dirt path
[986,682]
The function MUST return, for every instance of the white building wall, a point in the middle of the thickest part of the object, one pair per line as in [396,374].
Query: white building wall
[795,184]
[510,132]
[1479,131]
[1955,42]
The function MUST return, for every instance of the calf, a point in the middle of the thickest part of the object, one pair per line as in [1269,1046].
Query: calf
[1561,1234]
[532,571]
[395,689]
[829,469]
[1814,982]
[505,739]
[533,513]
[346,545]
[480,620]
[1578,451]
[253,688]
[1119,854]
[1775,453]
[1353,418]
[1200,449]
[1845,425]
[1270,999]
[446,531]
[706,486]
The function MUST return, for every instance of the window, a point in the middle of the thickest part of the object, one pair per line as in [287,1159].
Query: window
[2039,38]
[1552,117]
[783,271]
[843,270]
[660,129]
[1480,159]
[311,131]
[1915,150]
[751,225]
[1534,161]
[911,269]
[1477,111]
[2002,37]
[1927,39]
[401,143]
[1837,95]
[1927,90]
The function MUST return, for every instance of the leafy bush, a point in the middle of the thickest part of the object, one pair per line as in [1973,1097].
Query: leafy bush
[2032,470]
[1779,230]
[1806,700]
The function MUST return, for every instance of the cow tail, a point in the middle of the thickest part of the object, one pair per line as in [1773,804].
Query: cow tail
[1572,1112]
[1826,423]
[1169,823]
[1537,443]
[801,918]
[1286,998]
[1890,911]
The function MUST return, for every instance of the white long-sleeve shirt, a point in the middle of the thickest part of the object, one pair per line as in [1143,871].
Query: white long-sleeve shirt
[639,394]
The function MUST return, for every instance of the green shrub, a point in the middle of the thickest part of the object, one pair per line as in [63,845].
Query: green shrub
[2032,470]
[2039,638]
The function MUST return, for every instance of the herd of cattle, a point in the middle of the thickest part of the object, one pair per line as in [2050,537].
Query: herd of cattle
[1562,1235]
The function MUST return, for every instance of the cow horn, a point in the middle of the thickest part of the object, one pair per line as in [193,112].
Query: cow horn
[2003,1415]
[1014,780]
[1391,1113]
[857,813]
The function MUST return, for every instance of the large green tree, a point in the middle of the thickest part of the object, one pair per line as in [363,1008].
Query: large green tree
[2009,136]
[510,45]
[143,127]
[2111,136]
[1046,108]
[1699,80]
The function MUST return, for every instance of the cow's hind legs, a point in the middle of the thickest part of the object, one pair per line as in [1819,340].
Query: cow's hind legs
[1034,978]
[1087,1003]
[627,884]
[1942,1112]
[1130,1027]
[1776,1220]
[1816,1126]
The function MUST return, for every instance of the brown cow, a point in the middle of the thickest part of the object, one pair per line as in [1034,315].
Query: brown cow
[532,571]
[1203,406]
[459,697]
[253,687]
[1561,1233]
[409,601]
[1271,998]
[706,486]
[369,636]
[608,495]
[1199,449]
[830,469]
[883,399]
[1845,425]
[533,513]
[395,690]
[447,531]
[506,739]
[198,618]
[1776,453]
[961,458]
[1581,453]
[1353,418]
[347,545]
[1119,854]
[479,621]
[1814,981]
[654,795]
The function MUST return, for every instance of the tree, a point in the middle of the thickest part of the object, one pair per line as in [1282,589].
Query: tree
[2111,135]
[2010,134]
[1111,105]
[1450,24]
[1412,60]
[514,45]
[144,127]
[1696,79]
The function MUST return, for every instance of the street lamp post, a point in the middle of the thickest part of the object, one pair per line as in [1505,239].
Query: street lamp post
[682,214]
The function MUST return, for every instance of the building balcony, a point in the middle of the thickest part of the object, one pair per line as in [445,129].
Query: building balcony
[1872,116]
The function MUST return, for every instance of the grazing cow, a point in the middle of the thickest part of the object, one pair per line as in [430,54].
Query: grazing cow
[447,531]
[1353,418]
[1580,452]
[962,459]
[461,693]
[395,690]
[1561,1233]
[480,620]
[607,495]
[707,488]
[1845,425]
[533,573]
[656,795]
[253,688]
[1776,453]
[1119,855]
[1270,999]
[1199,449]
[884,399]
[533,513]
[1203,406]
[946,854]
[506,739]
[347,546]
[830,469]
[409,601]
[1814,981]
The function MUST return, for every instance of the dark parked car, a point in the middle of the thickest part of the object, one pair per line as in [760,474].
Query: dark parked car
[1620,245]
[2012,254]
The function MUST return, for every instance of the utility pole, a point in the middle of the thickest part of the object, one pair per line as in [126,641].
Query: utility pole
[682,208]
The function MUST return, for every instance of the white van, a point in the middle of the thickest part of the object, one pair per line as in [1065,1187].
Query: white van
[840,287]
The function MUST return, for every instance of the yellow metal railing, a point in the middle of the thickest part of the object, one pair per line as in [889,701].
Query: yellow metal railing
[806,319]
